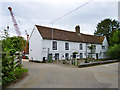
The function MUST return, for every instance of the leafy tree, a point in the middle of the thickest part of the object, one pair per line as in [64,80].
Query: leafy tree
[13,44]
[107,27]
[92,49]
[9,46]
[114,51]
[116,38]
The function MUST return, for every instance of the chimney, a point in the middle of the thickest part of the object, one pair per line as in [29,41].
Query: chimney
[77,29]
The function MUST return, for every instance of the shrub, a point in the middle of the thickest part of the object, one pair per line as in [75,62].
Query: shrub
[9,46]
[114,51]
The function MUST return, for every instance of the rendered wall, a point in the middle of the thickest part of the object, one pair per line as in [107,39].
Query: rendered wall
[35,46]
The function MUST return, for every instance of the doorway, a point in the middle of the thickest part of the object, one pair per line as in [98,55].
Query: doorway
[96,55]
[50,57]
[74,55]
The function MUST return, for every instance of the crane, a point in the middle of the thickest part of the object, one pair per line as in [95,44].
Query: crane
[17,29]
[14,22]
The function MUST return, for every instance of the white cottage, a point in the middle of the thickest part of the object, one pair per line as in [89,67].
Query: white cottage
[51,43]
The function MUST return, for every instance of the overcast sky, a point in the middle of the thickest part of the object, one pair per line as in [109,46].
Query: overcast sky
[42,12]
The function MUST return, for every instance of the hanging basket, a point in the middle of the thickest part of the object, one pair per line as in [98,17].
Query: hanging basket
[75,52]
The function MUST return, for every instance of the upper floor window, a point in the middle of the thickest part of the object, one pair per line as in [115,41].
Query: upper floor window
[103,47]
[66,46]
[94,46]
[81,46]
[54,45]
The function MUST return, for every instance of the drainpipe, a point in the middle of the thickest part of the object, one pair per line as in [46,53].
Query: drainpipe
[86,50]
[52,41]
[48,54]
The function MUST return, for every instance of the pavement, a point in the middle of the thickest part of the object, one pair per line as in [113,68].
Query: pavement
[63,76]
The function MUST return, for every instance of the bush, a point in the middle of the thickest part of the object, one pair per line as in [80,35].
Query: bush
[10,45]
[114,51]
[12,75]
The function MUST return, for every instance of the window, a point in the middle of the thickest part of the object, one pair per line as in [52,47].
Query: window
[66,56]
[94,46]
[103,47]
[54,45]
[81,47]
[56,56]
[81,55]
[66,46]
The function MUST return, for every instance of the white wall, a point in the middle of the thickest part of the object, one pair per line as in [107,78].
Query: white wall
[73,47]
[103,51]
[35,46]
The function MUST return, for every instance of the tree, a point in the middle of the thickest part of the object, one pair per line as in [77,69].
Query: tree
[9,46]
[115,39]
[13,43]
[114,51]
[107,27]
[92,50]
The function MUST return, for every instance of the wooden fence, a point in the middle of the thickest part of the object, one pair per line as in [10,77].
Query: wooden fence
[18,59]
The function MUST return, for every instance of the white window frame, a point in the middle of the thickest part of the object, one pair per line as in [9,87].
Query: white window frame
[81,46]
[66,46]
[54,47]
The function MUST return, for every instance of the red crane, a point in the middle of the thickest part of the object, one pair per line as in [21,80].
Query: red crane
[15,26]
[14,22]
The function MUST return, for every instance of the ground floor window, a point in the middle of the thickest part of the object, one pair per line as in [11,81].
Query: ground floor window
[81,55]
[66,56]
[56,56]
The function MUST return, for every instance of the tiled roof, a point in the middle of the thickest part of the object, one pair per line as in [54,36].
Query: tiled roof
[58,34]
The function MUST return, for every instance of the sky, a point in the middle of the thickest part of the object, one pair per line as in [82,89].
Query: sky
[43,12]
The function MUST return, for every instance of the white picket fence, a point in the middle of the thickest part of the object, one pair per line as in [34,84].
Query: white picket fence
[18,59]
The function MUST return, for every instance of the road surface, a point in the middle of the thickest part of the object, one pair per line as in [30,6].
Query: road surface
[62,76]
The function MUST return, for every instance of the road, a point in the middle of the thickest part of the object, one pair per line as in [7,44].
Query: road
[63,76]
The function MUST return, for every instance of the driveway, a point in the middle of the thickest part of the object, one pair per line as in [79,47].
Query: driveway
[62,76]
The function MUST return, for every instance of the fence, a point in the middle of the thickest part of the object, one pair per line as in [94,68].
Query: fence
[18,59]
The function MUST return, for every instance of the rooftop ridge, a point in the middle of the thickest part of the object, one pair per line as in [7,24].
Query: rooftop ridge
[55,28]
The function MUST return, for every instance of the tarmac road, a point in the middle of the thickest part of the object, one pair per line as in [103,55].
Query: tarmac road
[62,76]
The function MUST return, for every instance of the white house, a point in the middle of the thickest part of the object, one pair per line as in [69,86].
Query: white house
[46,43]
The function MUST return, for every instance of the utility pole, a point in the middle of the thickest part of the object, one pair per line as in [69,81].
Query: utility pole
[86,50]
[52,42]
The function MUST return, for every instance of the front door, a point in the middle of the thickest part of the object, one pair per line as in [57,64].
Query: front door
[74,55]
[50,57]
[56,56]
[96,55]
[66,56]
